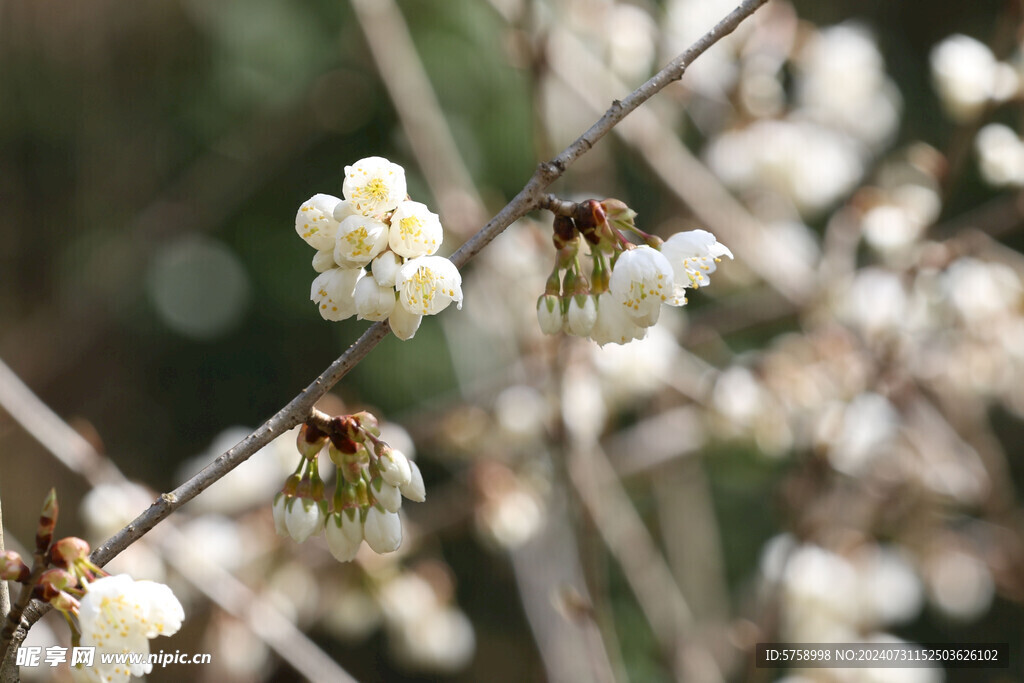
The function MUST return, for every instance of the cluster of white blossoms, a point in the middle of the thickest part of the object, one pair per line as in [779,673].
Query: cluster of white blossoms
[628,283]
[371,480]
[969,78]
[375,251]
[119,615]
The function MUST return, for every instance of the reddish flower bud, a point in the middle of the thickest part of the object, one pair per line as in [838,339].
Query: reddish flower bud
[367,421]
[310,441]
[53,581]
[13,568]
[68,550]
[564,232]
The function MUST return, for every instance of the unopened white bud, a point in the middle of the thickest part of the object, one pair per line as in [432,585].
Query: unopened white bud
[580,318]
[323,260]
[383,530]
[549,314]
[385,268]
[343,210]
[279,514]
[403,323]
[344,532]
[414,490]
[303,518]
[388,496]
[373,302]
[394,468]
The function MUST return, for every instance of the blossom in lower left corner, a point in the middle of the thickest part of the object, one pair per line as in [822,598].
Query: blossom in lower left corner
[119,615]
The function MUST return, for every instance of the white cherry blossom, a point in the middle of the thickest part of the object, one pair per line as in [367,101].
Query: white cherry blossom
[641,281]
[359,239]
[612,324]
[426,285]
[333,293]
[374,185]
[415,231]
[315,221]
[693,256]
[119,615]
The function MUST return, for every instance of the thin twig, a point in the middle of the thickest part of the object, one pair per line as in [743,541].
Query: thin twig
[525,201]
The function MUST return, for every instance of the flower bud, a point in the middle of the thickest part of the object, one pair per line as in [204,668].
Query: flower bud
[53,581]
[385,268]
[373,301]
[383,530]
[344,532]
[280,502]
[368,421]
[310,441]
[394,467]
[13,568]
[618,213]
[564,232]
[67,551]
[581,316]
[387,495]
[549,314]
[323,260]
[304,517]
[403,323]
[414,490]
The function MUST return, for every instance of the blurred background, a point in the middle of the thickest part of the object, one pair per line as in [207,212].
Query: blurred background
[824,446]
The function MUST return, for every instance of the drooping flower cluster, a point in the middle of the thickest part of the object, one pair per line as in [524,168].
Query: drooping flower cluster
[372,478]
[628,283]
[116,615]
[375,251]
[119,615]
